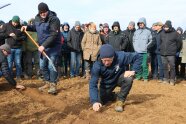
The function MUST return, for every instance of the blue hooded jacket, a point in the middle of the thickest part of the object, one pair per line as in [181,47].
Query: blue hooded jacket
[110,75]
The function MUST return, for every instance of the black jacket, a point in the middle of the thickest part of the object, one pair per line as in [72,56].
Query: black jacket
[14,42]
[2,36]
[74,40]
[104,37]
[5,70]
[119,41]
[170,42]
[129,34]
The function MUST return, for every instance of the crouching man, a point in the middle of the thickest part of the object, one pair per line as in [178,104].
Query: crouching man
[110,67]
[4,52]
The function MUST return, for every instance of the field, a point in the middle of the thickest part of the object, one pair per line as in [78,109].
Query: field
[147,103]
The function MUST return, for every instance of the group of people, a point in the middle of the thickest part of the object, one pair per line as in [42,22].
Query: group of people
[117,57]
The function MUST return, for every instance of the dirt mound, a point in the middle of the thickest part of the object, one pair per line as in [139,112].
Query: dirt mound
[149,103]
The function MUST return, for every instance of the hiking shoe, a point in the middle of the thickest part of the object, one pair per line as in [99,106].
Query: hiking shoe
[44,87]
[119,106]
[145,81]
[160,81]
[165,82]
[52,89]
[172,83]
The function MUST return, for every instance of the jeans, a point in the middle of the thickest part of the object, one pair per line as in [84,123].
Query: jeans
[47,69]
[168,60]
[30,64]
[125,84]
[75,63]
[15,57]
[156,66]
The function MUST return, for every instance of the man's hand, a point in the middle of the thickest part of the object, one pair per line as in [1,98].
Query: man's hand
[11,34]
[41,49]
[129,73]
[96,106]
[23,28]
[20,87]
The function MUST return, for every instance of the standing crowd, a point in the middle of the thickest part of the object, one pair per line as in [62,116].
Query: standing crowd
[76,52]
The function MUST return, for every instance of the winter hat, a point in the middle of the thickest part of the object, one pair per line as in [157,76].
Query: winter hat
[116,23]
[43,7]
[5,47]
[77,23]
[159,23]
[132,23]
[107,51]
[16,19]
[1,22]
[105,25]
[180,29]
[168,23]
[65,23]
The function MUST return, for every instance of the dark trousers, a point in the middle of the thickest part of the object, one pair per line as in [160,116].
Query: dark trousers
[30,64]
[168,61]
[125,84]
[180,72]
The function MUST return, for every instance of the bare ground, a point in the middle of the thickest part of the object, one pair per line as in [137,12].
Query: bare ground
[147,103]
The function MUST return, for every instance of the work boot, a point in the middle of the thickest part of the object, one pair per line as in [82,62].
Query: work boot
[87,74]
[44,87]
[52,89]
[119,106]
[172,82]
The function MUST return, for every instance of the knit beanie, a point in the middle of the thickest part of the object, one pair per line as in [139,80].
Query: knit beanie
[77,23]
[107,51]
[43,7]
[132,23]
[105,25]
[168,23]
[5,47]
[16,19]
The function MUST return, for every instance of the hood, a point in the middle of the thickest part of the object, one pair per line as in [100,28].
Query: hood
[66,23]
[180,29]
[116,23]
[142,20]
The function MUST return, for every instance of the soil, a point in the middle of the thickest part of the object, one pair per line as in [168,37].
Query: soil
[147,103]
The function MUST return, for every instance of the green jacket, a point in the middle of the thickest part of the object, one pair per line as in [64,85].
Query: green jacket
[29,46]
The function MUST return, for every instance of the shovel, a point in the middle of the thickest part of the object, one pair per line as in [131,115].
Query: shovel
[44,53]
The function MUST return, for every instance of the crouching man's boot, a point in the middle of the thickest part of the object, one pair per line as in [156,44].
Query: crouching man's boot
[44,87]
[119,106]
[53,88]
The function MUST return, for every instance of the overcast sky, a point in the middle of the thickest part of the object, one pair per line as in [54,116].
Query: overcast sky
[101,11]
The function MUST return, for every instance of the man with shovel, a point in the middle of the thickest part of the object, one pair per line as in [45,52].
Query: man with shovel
[47,25]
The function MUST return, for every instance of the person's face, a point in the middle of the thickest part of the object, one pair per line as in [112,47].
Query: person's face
[107,61]
[166,28]
[158,27]
[15,24]
[141,25]
[106,29]
[116,28]
[5,52]
[66,28]
[130,27]
[179,32]
[154,27]
[43,14]
[77,28]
